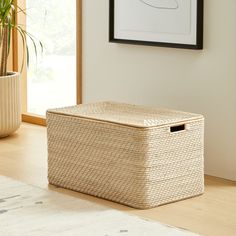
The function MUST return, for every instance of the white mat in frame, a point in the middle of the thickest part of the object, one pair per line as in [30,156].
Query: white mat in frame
[31,211]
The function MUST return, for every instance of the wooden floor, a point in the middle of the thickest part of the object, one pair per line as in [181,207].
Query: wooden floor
[23,156]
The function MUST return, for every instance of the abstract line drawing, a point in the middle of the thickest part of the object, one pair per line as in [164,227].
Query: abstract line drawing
[162,4]
[162,23]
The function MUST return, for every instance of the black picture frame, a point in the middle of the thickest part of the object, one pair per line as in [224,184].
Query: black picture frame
[199,31]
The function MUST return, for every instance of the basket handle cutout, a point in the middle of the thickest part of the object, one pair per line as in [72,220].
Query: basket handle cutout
[177,128]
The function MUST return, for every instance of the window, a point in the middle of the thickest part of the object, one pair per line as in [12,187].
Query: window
[54,78]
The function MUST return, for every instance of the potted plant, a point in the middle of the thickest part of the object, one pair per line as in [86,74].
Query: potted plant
[10,105]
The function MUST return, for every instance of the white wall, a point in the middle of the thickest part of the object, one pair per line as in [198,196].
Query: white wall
[196,81]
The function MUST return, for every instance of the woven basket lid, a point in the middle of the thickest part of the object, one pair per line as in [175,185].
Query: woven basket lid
[127,114]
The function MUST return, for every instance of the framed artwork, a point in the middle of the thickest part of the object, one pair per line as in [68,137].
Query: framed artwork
[166,23]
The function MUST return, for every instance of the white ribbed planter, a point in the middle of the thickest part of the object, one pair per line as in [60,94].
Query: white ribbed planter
[10,104]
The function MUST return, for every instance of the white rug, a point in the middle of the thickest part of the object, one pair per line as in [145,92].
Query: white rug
[29,211]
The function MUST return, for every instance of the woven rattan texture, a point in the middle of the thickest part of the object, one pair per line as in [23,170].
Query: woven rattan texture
[142,168]
[127,114]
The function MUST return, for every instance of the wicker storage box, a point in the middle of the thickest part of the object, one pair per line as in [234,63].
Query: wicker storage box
[138,156]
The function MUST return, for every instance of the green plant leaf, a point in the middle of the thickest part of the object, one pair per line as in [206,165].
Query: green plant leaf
[8,14]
